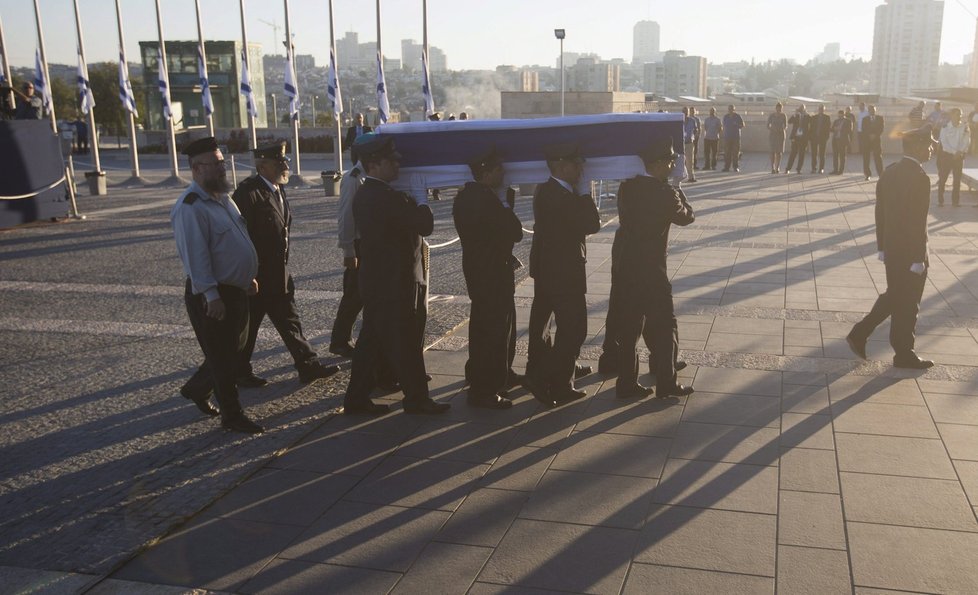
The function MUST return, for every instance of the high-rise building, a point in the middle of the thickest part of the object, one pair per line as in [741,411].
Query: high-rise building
[411,55]
[907,46]
[973,70]
[829,54]
[593,76]
[645,42]
[677,74]
[437,60]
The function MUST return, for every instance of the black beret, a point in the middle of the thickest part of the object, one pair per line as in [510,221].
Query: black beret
[922,135]
[276,151]
[486,159]
[207,144]
[375,146]
[659,150]
[563,152]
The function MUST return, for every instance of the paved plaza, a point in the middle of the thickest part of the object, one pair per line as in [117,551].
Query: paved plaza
[793,468]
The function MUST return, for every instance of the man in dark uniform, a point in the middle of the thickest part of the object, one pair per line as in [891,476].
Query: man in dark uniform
[648,207]
[261,200]
[353,133]
[820,128]
[488,228]
[800,129]
[563,220]
[870,143]
[392,283]
[220,262]
[902,201]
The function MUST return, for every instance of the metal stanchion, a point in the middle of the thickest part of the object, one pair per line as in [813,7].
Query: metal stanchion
[70,185]
[234,173]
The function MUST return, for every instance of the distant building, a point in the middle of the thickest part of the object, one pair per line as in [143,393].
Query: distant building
[677,74]
[589,75]
[223,73]
[411,57]
[351,55]
[907,46]
[973,71]
[529,81]
[437,60]
[305,62]
[547,104]
[830,54]
[645,42]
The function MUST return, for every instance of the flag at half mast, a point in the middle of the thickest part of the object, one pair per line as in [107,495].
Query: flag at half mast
[161,81]
[205,86]
[125,89]
[290,89]
[86,100]
[333,85]
[246,86]
[383,106]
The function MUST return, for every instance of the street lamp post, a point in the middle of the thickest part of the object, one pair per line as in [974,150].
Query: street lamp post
[314,98]
[560,34]
[275,110]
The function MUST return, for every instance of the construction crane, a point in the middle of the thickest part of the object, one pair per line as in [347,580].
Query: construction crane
[275,30]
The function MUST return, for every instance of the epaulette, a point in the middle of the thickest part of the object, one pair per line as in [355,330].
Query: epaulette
[190,199]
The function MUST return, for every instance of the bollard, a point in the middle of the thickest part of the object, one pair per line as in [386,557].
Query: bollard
[331,182]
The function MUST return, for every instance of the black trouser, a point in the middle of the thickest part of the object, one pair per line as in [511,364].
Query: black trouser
[390,333]
[281,310]
[839,149]
[222,342]
[491,343]
[731,152]
[609,347]
[901,302]
[798,147]
[553,363]
[948,164]
[710,150]
[350,304]
[650,314]
[818,155]
[871,149]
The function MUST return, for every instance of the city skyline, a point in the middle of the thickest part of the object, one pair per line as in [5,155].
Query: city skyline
[729,34]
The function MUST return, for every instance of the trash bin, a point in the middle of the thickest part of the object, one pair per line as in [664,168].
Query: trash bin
[331,182]
[96,183]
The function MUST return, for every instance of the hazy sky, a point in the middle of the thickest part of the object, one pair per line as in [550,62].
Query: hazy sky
[482,34]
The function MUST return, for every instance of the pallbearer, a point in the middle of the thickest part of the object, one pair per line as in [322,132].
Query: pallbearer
[488,228]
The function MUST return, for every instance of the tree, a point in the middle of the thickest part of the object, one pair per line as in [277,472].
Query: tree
[109,113]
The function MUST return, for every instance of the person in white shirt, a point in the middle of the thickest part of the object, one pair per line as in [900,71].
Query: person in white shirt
[955,143]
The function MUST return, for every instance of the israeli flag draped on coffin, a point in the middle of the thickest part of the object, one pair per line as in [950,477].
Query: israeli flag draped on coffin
[435,154]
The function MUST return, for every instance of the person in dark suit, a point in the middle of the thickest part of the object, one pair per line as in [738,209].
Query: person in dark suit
[488,229]
[820,128]
[841,137]
[353,133]
[262,202]
[902,201]
[800,123]
[648,207]
[392,283]
[870,142]
[563,220]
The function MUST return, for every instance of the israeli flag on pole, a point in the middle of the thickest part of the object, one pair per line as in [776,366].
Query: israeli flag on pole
[125,89]
[86,100]
[429,100]
[290,90]
[383,106]
[163,85]
[246,86]
[205,86]
[333,85]
[40,83]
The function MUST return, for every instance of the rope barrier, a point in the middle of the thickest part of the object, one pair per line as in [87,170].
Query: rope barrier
[33,194]
[443,244]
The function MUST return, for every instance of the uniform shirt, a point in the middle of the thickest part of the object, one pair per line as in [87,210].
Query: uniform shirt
[30,109]
[691,129]
[347,232]
[712,127]
[955,139]
[732,123]
[212,241]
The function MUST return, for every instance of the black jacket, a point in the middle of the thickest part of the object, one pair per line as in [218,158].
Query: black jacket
[902,202]
[488,230]
[351,135]
[647,208]
[820,127]
[391,226]
[872,132]
[563,221]
[269,231]
[800,126]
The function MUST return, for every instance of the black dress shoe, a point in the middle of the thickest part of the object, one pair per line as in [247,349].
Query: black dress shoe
[856,344]
[581,371]
[428,407]
[250,381]
[488,401]
[240,423]
[315,371]
[680,390]
[912,362]
[201,401]
[342,349]
[681,365]
[562,396]
[366,408]
[635,391]
[540,391]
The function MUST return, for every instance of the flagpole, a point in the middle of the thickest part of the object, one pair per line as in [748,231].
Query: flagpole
[93,131]
[44,64]
[171,135]
[338,145]
[290,50]
[133,149]
[6,64]
[244,42]
[203,56]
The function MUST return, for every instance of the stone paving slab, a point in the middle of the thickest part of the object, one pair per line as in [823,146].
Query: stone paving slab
[794,468]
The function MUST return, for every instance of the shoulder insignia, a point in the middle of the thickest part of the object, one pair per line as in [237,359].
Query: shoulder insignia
[190,199]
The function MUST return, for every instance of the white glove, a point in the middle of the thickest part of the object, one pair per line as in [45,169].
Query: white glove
[880,256]
[917,267]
